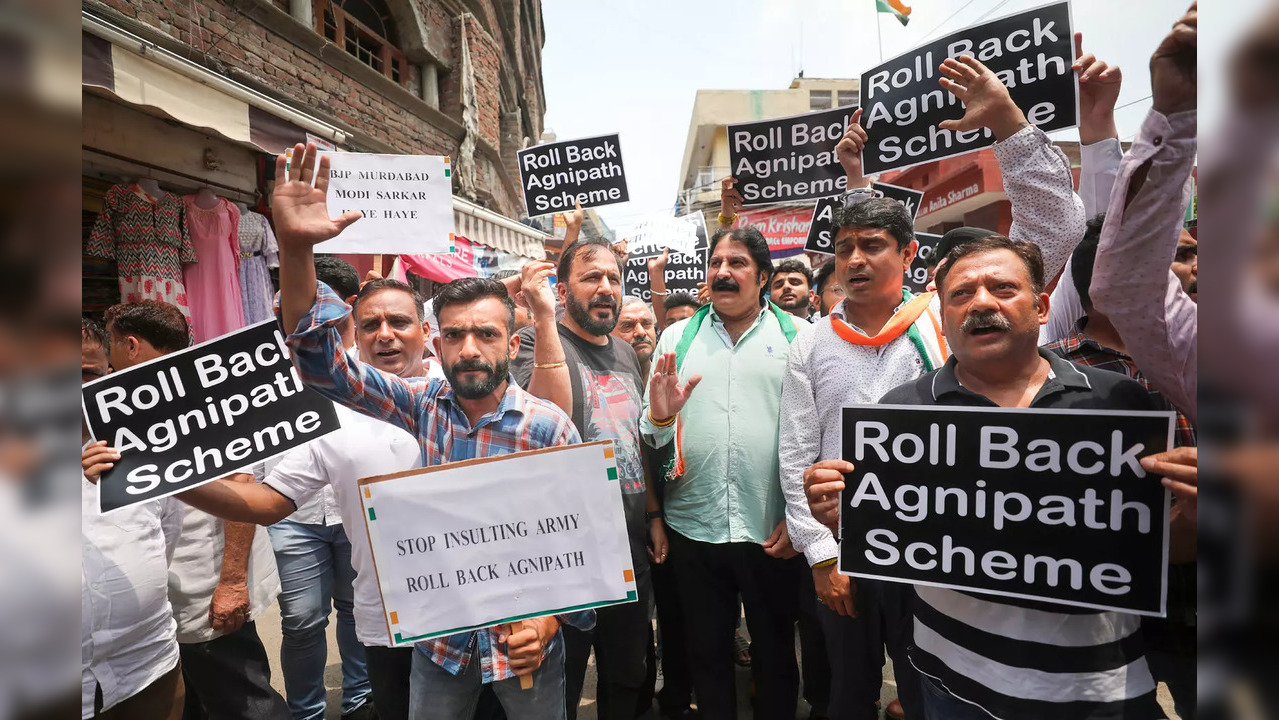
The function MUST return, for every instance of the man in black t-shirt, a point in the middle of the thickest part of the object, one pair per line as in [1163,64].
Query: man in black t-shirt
[607,390]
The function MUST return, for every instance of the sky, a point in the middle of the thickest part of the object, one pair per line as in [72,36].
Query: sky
[634,67]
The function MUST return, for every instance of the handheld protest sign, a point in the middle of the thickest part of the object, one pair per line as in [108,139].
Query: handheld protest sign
[1038,504]
[684,270]
[916,279]
[821,232]
[407,201]
[479,543]
[1030,52]
[788,159]
[588,171]
[201,413]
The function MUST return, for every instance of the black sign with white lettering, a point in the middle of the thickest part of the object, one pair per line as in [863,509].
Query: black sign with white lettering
[1030,52]
[202,413]
[1048,505]
[821,235]
[683,270]
[556,174]
[917,276]
[790,158]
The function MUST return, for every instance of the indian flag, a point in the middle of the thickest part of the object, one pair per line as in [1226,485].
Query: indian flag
[896,7]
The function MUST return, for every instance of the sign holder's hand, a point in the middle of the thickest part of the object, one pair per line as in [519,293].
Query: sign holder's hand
[823,483]
[1099,85]
[666,395]
[849,151]
[536,287]
[96,459]
[730,201]
[525,641]
[1179,470]
[987,103]
[1173,72]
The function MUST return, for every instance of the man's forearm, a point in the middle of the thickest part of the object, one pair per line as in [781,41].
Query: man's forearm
[550,383]
[297,285]
[237,540]
[239,502]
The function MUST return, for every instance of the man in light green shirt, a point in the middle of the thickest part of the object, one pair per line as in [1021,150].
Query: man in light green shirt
[725,512]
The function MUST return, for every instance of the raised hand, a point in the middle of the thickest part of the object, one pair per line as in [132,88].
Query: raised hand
[573,221]
[730,199]
[299,208]
[1173,76]
[657,264]
[666,395]
[1099,85]
[849,151]
[536,287]
[987,103]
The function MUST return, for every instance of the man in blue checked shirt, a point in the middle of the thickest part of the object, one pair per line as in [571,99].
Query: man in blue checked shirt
[478,412]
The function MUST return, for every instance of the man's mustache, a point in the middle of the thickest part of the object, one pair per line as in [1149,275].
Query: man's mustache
[604,301]
[462,366]
[982,321]
[725,284]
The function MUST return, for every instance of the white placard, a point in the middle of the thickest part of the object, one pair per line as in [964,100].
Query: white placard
[650,236]
[407,201]
[479,543]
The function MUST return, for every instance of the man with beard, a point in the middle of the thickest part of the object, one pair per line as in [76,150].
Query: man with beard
[791,288]
[880,336]
[725,511]
[477,407]
[636,327]
[988,656]
[605,385]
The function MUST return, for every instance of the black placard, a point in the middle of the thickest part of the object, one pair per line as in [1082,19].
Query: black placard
[917,467]
[821,237]
[790,158]
[917,276]
[683,270]
[169,417]
[1031,53]
[588,170]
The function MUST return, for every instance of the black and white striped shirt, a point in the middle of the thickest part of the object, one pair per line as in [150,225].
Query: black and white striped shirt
[1026,659]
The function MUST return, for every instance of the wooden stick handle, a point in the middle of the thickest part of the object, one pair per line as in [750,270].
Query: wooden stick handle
[526,681]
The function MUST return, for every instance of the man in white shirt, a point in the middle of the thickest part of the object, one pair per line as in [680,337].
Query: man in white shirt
[129,649]
[880,336]
[220,576]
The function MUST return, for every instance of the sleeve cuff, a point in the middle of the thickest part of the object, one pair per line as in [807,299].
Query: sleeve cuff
[328,311]
[820,550]
[1020,141]
[1102,152]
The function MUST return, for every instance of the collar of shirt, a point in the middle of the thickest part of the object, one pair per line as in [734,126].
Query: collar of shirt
[718,324]
[839,312]
[513,401]
[1078,339]
[1061,376]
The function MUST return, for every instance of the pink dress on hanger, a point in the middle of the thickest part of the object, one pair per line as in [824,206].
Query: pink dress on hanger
[213,284]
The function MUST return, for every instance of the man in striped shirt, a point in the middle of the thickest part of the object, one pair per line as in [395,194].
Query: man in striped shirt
[981,655]
[478,412]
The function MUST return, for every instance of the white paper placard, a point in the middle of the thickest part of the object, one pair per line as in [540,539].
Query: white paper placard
[407,201]
[479,543]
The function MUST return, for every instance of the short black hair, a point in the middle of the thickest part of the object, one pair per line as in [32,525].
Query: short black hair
[374,286]
[565,267]
[337,274]
[884,213]
[160,324]
[791,265]
[755,242]
[1029,253]
[823,275]
[679,298]
[504,274]
[93,333]
[953,239]
[464,291]
[1083,259]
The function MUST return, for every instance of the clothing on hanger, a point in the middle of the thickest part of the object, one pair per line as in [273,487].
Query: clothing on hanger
[258,252]
[213,284]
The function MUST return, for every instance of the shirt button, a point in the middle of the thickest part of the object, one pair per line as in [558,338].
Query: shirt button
[1158,141]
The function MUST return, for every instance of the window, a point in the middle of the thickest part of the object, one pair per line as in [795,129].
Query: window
[705,177]
[819,99]
[847,98]
[364,29]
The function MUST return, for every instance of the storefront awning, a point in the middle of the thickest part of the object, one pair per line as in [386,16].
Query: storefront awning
[140,72]
[487,228]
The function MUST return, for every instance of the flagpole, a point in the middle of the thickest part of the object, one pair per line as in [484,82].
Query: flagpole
[879,38]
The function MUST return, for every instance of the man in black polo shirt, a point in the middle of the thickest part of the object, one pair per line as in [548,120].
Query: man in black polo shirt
[978,652]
